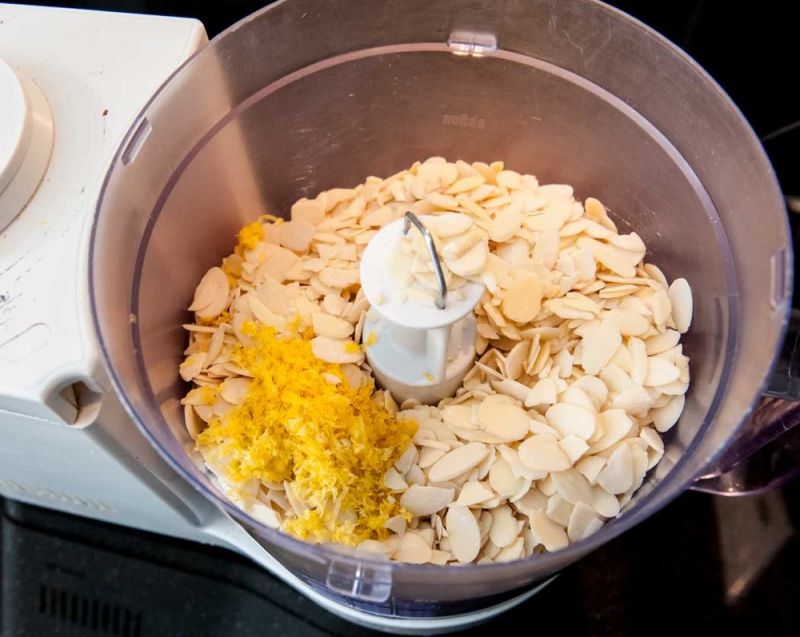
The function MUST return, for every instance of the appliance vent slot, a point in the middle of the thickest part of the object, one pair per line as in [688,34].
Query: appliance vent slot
[93,614]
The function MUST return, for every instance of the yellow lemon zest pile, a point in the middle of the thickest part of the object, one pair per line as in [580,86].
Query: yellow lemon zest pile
[250,236]
[253,233]
[332,443]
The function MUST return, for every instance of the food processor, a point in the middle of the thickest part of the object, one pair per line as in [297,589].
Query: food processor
[308,95]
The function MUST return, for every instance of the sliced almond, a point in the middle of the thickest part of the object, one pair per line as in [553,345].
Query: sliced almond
[512,389]
[421,501]
[194,424]
[412,549]
[443,202]
[503,480]
[619,260]
[546,486]
[504,529]
[581,518]
[661,306]
[449,224]
[515,360]
[331,326]
[640,463]
[615,425]
[558,509]
[440,558]
[523,298]
[500,416]
[590,467]
[295,235]
[572,420]
[576,396]
[512,552]
[542,393]
[465,184]
[234,390]
[505,224]
[509,180]
[428,456]
[533,500]
[354,376]
[339,278]
[334,305]
[547,533]
[573,447]
[604,503]
[394,481]
[573,486]
[680,294]
[459,415]
[463,533]
[628,322]
[457,462]
[206,290]
[541,452]
[635,400]
[279,261]
[617,476]
[473,492]
[638,354]
[264,514]
[415,475]
[599,344]
[309,211]
[336,350]
[217,280]
[214,347]
[675,388]
[471,263]
[595,388]
[660,372]
[665,417]
[396,524]
[192,365]
[333,379]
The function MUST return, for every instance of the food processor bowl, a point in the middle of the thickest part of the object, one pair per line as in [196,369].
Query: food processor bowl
[307,95]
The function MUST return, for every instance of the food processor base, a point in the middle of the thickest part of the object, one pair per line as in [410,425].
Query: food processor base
[428,626]
[227,532]
[246,545]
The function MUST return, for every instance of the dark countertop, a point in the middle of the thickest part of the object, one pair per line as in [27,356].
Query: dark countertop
[704,565]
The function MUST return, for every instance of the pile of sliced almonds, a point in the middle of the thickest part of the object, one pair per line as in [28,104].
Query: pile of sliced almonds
[579,368]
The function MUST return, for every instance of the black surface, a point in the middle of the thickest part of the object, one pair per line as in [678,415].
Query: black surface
[703,566]
[685,570]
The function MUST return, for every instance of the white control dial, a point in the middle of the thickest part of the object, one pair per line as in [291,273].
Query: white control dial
[26,141]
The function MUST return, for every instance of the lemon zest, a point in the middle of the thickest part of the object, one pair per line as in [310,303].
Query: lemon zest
[209,395]
[219,319]
[250,236]
[331,443]
[371,339]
